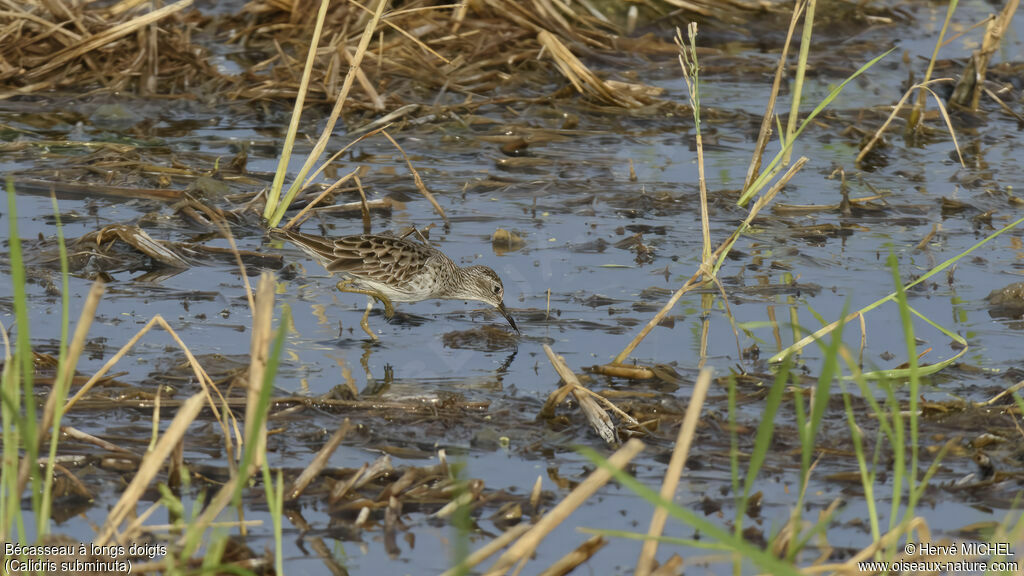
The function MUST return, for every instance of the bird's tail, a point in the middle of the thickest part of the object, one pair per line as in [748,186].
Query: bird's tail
[318,247]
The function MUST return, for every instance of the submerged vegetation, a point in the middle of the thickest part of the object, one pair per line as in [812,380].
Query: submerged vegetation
[814,460]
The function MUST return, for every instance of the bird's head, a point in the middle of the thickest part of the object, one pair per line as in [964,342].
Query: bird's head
[486,286]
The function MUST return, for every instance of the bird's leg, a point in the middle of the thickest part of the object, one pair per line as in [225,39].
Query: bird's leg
[364,322]
[346,286]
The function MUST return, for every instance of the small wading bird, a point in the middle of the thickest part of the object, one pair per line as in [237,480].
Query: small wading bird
[394,269]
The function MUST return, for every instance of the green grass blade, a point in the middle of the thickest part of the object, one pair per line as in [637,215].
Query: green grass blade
[761,180]
[274,194]
[915,377]
[266,390]
[763,438]
[23,353]
[765,561]
[810,338]
[59,388]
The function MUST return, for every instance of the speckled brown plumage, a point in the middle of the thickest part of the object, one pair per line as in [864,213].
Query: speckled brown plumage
[390,268]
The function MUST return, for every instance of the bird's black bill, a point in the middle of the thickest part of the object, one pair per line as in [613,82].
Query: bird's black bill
[504,312]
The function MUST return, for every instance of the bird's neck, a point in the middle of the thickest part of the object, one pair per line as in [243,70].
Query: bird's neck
[460,279]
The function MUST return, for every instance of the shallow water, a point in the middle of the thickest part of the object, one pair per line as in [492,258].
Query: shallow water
[571,199]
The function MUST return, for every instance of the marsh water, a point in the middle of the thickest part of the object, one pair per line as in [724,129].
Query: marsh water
[605,201]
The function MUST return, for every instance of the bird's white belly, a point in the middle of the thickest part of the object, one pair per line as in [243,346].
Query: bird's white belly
[421,287]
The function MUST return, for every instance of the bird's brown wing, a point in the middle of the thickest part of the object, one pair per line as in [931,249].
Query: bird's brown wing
[385,259]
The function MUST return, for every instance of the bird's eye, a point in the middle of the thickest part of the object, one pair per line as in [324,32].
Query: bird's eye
[497,289]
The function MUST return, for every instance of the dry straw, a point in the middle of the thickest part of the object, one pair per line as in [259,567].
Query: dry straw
[525,546]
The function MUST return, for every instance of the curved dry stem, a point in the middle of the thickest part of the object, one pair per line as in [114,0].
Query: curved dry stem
[416,177]
[204,379]
[305,210]
[524,547]
[896,109]
[717,256]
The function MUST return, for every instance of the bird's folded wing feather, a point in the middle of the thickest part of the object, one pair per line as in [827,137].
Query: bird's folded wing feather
[381,258]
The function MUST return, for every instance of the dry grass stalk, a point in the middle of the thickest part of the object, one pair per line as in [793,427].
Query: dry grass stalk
[784,538]
[203,378]
[968,91]
[419,43]
[597,417]
[367,224]
[161,251]
[380,204]
[535,494]
[86,44]
[1005,108]
[259,349]
[691,70]
[672,567]
[416,177]
[487,550]
[708,264]
[899,106]
[318,463]
[274,194]
[225,231]
[340,489]
[585,81]
[339,153]
[151,464]
[76,434]
[754,170]
[623,371]
[717,255]
[999,397]
[574,558]
[92,301]
[524,547]
[325,136]
[301,216]
[797,86]
[898,534]
[675,471]
[453,505]
[135,526]
[377,103]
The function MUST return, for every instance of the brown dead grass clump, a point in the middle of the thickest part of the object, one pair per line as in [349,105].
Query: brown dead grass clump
[426,49]
[117,47]
[422,52]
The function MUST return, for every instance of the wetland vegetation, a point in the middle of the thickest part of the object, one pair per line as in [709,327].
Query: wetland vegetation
[765,259]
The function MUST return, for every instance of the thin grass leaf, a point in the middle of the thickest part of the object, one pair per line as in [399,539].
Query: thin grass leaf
[914,375]
[23,357]
[904,373]
[274,194]
[829,370]
[760,558]
[273,363]
[867,475]
[59,388]
[627,535]
[821,332]
[763,178]
[765,430]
